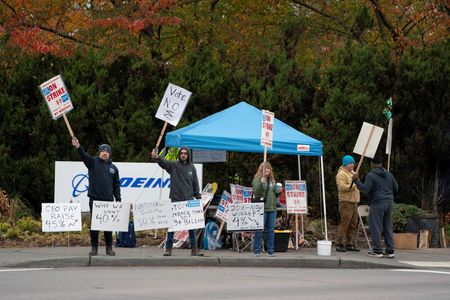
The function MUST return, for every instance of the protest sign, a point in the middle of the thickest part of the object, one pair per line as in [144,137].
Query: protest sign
[110,216]
[57,217]
[367,143]
[173,104]
[296,197]
[152,214]
[245,216]
[221,212]
[241,194]
[187,215]
[267,128]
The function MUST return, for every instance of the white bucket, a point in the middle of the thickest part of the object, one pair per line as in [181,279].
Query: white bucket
[324,248]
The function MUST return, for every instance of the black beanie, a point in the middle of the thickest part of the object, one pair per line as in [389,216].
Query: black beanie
[376,160]
[105,147]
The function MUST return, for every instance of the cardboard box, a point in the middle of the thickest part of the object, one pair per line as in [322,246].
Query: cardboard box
[406,241]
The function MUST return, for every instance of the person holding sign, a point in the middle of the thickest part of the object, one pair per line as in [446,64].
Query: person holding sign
[104,185]
[380,185]
[265,190]
[184,186]
[348,195]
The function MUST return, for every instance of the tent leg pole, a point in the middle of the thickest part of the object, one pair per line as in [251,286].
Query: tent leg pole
[323,198]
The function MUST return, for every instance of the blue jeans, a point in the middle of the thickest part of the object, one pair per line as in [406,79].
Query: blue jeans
[269,226]
[380,221]
[169,241]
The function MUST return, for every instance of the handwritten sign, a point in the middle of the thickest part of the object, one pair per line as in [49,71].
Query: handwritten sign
[153,214]
[296,197]
[56,96]
[267,128]
[221,212]
[58,217]
[110,216]
[241,194]
[245,216]
[173,104]
[187,215]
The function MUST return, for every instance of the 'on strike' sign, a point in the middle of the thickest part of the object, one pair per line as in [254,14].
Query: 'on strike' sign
[267,128]
[56,96]
[173,104]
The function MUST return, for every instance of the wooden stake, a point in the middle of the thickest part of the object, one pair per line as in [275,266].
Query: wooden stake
[296,232]
[389,161]
[68,126]
[222,223]
[161,134]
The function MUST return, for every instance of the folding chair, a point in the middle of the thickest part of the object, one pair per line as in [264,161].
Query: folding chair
[363,211]
[242,240]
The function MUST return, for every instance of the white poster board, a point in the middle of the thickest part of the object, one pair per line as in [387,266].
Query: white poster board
[56,96]
[187,215]
[221,212]
[204,156]
[368,131]
[153,214]
[138,182]
[267,128]
[245,216]
[57,217]
[296,197]
[110,216]
[173,104]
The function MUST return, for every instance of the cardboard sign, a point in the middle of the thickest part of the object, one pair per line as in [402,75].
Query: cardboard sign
[173,104]
[57,217]
[267,128]
[153,214]
[241,194]
[56,96]
[296,197]
[110,216]
[221,212]
[187,215]
[245,216]
[368,140]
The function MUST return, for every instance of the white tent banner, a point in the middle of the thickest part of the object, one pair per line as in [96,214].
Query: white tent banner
[56,96]
[187,215]
[204,156]
[173,104]
[245,216]
[110,216]
[221,212]
[153,214]
[296,197]
[268,119]
[138,182]
[368,140]
[58,217]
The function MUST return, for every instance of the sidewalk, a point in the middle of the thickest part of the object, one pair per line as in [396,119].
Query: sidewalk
[59,257]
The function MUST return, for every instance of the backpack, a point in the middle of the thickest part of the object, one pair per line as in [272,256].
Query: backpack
[127,239]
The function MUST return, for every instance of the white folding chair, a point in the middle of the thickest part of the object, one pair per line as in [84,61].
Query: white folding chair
[363,211]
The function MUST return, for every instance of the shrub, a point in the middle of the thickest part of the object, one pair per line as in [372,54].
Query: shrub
[401,213]
[4,227]
[29,225]
[12,233]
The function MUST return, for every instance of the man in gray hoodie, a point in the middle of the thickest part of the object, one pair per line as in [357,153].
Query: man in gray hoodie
[183,186]
[380,186]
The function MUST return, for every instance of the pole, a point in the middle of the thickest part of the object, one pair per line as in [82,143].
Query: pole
[68,126]
[161,135]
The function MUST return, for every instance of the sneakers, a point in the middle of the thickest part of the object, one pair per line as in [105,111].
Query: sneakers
[375,254]
[256,254]
[389,255]
[340,248]
[270,254]
[352,248]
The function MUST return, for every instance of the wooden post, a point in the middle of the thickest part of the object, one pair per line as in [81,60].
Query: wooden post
[389,161]
[68,126]
[161,135]
[296,231]
[222,223]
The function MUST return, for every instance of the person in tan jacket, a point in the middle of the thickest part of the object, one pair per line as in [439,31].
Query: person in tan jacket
[348,195]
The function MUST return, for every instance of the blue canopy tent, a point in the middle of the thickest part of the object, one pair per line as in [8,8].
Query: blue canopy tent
[238,128]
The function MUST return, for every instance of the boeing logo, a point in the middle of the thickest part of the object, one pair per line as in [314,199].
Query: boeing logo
[80,183]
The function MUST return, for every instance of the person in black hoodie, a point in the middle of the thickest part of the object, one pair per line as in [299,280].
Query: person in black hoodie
[380,186]
[183,186]
[104,185]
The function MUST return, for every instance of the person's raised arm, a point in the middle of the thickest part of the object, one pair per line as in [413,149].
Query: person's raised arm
[85,157]
[161,161]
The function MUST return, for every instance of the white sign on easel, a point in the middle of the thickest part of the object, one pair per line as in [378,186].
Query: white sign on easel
[245,216]
[56,96]
[58,217]
[153,214]
[187,215]
[296,197]
[110,216]
[173,104]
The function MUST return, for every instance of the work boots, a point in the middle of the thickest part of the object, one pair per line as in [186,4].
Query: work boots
[196,252]
[94,251]
[168,252]
[109,251]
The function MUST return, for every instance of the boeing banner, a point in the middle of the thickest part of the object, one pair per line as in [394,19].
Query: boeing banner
[138,182]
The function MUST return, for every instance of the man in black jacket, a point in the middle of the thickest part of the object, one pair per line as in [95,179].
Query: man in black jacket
[380,186]
[183,186]
[104,185]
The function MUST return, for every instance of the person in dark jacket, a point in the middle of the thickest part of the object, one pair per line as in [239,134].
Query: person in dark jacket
[380,186]
[183,186]
[104,185]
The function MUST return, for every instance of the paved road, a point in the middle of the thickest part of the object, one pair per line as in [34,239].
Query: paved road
[223,283]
